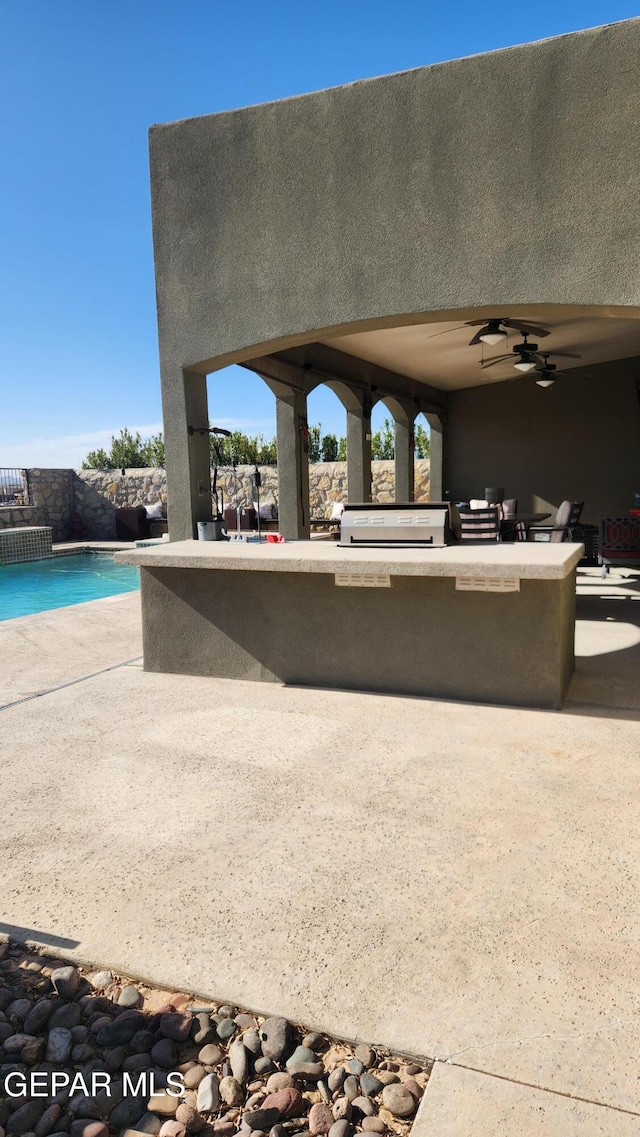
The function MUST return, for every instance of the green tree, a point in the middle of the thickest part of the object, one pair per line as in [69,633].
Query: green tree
[421,441]
[330,447]
[383,441]
[127,452]
[153,451]
[242,450]
[315,443]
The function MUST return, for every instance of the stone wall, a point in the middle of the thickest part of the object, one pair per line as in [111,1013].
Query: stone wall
[82,504]
[327,483]
[63,500]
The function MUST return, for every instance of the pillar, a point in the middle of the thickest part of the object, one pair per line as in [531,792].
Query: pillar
[404,472]
[436,457]
[187,456]
[359,452]
[293,464]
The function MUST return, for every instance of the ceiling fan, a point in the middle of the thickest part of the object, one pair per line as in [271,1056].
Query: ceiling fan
[528,355]
[547,371]
[492,332]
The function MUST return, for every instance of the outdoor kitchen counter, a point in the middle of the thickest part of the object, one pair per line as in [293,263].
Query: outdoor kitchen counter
[527,560]
[484,624]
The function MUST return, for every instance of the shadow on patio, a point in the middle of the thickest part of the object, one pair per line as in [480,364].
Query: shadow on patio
[607,641]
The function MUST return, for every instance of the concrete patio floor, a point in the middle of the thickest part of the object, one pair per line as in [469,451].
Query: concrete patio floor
[454,881]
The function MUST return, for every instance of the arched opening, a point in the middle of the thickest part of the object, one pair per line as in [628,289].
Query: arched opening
[326,414]
[422,458]
[243,464]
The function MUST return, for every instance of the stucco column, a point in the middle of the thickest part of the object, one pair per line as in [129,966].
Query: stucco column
[293,465]
[404,447]
[436,457]
[359,453]
[187,456]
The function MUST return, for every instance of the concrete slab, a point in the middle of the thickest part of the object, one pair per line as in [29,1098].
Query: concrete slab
[607,640]
[54,647]
[446,879]
[463,1103]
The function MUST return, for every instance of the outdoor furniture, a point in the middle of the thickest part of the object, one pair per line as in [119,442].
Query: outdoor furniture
[480,524]
[566,520]
[619,542]
[248,518]
[132,523]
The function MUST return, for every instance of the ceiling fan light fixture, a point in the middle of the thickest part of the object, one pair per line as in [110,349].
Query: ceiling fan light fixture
[545,382]
[525,365]
[493,333]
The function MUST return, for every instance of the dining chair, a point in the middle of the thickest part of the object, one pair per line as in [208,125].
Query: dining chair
[567,518]
[480,524]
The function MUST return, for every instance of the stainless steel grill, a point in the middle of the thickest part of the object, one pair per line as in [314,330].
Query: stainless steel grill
[410,525]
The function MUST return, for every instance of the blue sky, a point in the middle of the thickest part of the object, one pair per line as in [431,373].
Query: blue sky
[80,83]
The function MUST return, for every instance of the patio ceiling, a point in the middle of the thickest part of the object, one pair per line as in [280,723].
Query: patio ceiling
[446,361]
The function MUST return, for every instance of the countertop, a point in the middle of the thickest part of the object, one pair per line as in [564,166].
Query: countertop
[527,560]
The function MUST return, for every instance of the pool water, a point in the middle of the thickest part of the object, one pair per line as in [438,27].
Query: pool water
[60,581]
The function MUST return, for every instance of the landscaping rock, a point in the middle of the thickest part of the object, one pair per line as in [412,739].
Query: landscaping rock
[210,1055]
[26,1117]
[59,1043]
[398,1100]
[130,997]
[226,1029]
[261,1119]
[288,1101]
[370,1085]
[340,1129]
[321,1118]
[373,1125]
[122,1029]
[364,1105]
[66,981]
[300,1056]
[165,1054]
[232,1090]
[239,1060]
[209,1094]
[366,1055]
[275,1037]
[336,1078]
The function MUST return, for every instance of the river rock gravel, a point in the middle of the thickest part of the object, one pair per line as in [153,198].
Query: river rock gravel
[170,1065]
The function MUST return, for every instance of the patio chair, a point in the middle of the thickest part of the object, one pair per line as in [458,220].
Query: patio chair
[480,524]
[567,518]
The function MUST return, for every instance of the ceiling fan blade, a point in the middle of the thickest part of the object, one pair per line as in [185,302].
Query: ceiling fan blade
[500,359]
[562,355]
[445,332]
[526,329]
[577,371]
[476,338]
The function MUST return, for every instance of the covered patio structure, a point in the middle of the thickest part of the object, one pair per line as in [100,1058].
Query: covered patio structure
[367,237]
[348,237]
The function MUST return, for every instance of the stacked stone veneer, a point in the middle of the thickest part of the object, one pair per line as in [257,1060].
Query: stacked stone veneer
[82,504]
[63,500]
[327,483]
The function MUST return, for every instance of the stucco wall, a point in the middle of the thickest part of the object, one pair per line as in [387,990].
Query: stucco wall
[579,439]
[508,178]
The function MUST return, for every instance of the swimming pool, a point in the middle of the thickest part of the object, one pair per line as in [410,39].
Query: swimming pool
[60,581]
